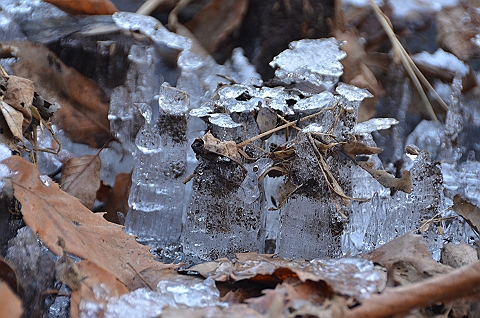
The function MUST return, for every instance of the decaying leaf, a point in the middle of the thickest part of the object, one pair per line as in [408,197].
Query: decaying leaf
[51,213]
[387,180]
[117,200]
[272,301]
[66,270]
[354,148]
[268,271]
[84,111]
[19,95]
[457,29]
[100,7]
[216,21]
[357,73]
[233,311]
[408,248]
[9,276]
[95,278]
[10,304]
[224,148]
[266,120]
[14,120]
[81,178]
[458,255]
[468,211]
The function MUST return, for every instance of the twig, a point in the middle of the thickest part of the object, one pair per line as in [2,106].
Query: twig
[246,142]
[395,301]
[149,6]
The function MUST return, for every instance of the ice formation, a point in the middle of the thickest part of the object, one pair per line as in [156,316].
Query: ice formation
[180,292]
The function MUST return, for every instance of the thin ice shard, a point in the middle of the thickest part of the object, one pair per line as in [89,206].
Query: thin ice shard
[374,124]
[142,302]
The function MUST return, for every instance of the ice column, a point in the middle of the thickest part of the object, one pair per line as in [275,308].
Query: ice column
[157,194]
[310,226]
[226,214]
[313,216]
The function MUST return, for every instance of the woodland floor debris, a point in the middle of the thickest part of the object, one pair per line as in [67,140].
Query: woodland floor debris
[279,148]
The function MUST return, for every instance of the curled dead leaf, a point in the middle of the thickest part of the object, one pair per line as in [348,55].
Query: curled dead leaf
[8,275]
[14,120]
[117,200]
[468,211]
[223,148]
[387,180]
[19,95]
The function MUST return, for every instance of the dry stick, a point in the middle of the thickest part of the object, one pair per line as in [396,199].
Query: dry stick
[148,7]
[406,60]
[459,283]
[333,184]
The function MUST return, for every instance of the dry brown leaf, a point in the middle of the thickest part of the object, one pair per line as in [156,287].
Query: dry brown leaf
[103,192]
[19,95]
[94,275]
[270,299]
[84,111]
[66,270]
[387,180]
[457,28]
[6,137]
[266,120]
[216,21]
[117,201]
[81,178]
[14,120]
[224,148]
[468,211]
[354,148]
[10,304]
[458,255]
[8,275]
[92,7]
[407,248]
[51,213]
